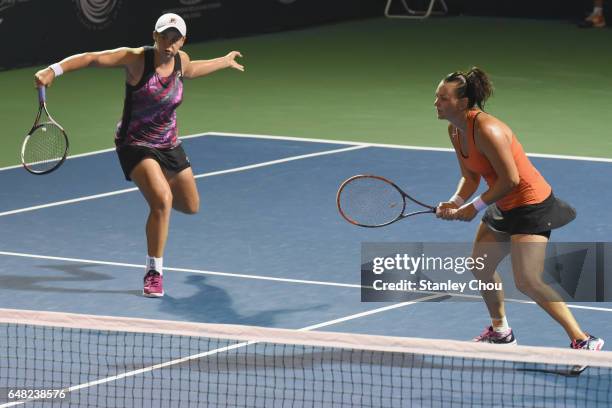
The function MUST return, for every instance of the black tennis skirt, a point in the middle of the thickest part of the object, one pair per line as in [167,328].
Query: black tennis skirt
[537,219]
[173,159]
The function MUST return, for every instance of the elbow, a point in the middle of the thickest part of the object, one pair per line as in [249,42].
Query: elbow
[91,59]
[473,182]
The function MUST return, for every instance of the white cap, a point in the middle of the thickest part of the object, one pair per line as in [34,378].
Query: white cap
[171,20]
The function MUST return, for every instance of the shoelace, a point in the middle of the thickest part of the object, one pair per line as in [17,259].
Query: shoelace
[580,344]
[153,280]
[484,334]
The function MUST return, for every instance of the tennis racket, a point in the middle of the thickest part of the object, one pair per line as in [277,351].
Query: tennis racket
[373,201]
[45,146]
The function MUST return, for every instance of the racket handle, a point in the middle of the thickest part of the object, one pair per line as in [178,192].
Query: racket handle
[42,94]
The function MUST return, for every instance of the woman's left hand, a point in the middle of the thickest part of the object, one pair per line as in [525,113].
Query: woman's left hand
[231,60]
[445,209]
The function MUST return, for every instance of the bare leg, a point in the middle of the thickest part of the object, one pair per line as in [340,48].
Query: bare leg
[184,191]
[150,179]
[528,255]
[496,247]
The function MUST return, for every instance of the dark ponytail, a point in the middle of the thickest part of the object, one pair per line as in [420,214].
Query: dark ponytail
[474,85]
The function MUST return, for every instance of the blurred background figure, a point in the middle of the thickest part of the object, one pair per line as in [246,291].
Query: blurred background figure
[596,19]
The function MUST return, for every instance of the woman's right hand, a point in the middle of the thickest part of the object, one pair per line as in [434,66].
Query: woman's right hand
[44,77]
[444,210]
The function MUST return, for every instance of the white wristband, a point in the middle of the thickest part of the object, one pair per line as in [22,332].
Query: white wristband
[457,200]
[479,204]
[57,69]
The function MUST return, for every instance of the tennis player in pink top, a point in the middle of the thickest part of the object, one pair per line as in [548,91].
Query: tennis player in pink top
[146,140]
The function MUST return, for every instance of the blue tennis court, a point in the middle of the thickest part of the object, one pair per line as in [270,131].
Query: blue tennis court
[268,247]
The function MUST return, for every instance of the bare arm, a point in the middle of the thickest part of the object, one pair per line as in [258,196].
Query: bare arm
[120,57]
[468,184]
[198,68]
[469,181]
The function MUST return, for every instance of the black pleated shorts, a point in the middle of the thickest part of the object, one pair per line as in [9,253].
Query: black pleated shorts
[173,159]
[536,219]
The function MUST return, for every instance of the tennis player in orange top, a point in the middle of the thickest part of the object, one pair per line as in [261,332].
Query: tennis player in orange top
[520,207]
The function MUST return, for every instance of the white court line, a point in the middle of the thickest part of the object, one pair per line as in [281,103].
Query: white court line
[224,349]
[74,156]
[269,278]
[395,146]
[186,270]
[330,141]
[370,312]
[214,173]
[341,142]
[110,149]
[63,202]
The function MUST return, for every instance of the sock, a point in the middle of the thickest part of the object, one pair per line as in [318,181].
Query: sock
[500,325]
[154,263]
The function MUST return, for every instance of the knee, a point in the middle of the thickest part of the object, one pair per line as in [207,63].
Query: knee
[529,287]
[162,202]
[484,270]
[193,207]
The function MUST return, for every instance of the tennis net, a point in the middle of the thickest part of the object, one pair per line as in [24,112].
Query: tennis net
[58,359]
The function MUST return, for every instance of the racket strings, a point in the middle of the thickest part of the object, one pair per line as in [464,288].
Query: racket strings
[45,148]
[370,201]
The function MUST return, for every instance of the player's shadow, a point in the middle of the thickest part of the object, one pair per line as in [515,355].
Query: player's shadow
[212,304]
[89,281]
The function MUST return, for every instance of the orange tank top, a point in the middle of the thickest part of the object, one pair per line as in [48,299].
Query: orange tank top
[532,187]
